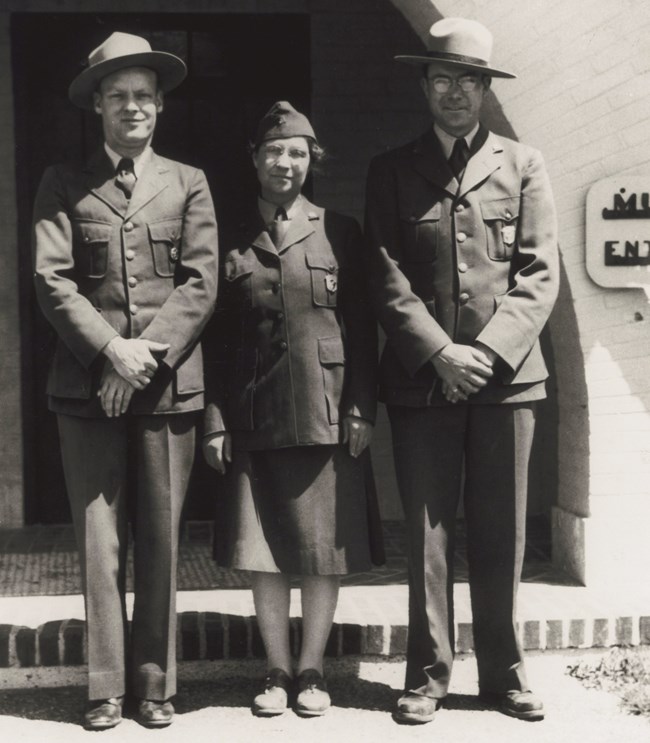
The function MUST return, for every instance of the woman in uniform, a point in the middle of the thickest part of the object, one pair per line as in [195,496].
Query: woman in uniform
[292,397]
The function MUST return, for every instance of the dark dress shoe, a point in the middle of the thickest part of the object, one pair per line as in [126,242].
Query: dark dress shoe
[103,714]
[155,714]
[274,698]
[415,708]
[313,699]
[523,705]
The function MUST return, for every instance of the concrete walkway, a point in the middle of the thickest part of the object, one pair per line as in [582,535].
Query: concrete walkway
[213,707]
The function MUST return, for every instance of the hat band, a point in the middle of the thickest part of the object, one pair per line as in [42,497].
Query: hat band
[452,57]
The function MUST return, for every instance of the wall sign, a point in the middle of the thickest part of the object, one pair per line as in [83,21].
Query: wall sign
[618,232]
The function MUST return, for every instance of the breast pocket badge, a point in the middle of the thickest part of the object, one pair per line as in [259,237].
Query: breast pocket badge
[173,254]
[508,234]
[331,283]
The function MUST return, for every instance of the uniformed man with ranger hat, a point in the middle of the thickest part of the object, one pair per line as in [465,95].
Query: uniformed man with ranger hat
[463,265]
[125,261]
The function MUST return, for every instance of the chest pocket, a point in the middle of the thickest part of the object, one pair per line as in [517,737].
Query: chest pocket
[324,271]
[500,218]
[165,239]
[90,245]
[420,232]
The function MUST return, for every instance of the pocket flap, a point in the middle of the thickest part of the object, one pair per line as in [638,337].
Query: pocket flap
[503,209]
[319,259]
[330,350]
[430,213]
[167,231]
[94,232]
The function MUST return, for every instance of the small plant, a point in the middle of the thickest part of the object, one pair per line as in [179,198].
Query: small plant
[623,671]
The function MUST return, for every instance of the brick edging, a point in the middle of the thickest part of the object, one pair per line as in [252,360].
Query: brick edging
[216,636]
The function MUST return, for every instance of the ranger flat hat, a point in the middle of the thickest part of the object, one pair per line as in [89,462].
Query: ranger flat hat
[282,121]
[119,51]
[458,41]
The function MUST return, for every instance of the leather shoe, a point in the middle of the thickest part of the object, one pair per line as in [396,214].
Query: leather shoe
[313,699]
[274,698]
[523,705]
[155,714]
[415,708]
[103,714]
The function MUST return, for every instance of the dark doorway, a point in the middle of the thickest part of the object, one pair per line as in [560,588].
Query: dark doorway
[238,65]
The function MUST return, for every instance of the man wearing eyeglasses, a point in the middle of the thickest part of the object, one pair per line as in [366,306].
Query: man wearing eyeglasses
[463,267]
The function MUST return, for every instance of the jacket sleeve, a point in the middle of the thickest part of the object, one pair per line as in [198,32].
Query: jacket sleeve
[77,322]
[215,348]
[185,312]
[360,327]
[519,319]
[413,333]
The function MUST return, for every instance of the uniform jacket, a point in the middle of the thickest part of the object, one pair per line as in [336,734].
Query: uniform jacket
[293,347]
[479,263]
[144,268]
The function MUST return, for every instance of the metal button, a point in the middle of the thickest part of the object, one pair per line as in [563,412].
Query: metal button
[283,345]
[133,309]
[461,237]
[413,218]
[508,215]
[463,298]
[129,255]
[129,226]
[280,315]
[275,288]
[133,281]
[462,267]
[460,207]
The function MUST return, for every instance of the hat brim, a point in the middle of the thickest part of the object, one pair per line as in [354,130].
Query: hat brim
[422,60]
[171,71]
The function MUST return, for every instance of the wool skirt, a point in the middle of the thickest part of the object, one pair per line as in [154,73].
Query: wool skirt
[305,510]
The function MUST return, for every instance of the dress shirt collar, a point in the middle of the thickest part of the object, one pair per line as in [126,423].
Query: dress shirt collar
[139,162]
[447,140]
[267,209]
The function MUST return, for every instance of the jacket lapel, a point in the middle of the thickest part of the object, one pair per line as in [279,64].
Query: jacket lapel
[430,162]
[152,181]
[101,182]
[301,224]
[482,164]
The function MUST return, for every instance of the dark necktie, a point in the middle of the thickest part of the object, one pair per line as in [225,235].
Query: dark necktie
[125,176]
[459,157]
[279,226]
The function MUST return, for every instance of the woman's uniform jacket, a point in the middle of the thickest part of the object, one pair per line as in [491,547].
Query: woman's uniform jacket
[475,263]
[144,268]
[293,346]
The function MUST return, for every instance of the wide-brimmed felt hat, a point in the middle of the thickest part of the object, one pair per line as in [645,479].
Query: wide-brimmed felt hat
[458,41]
[282,121]
[118,52]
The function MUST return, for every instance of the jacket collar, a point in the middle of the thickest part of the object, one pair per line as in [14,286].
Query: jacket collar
[301,226]
[430,162]
[101,182]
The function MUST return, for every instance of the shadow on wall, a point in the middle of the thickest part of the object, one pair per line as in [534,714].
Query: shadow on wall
[563,425]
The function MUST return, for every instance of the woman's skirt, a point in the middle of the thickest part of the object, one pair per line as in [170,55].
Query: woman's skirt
[305,510]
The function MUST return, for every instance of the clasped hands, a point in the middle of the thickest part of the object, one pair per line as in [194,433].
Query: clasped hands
[131,365]
[217,448]
[463,369]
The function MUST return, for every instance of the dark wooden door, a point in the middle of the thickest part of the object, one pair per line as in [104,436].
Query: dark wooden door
[238,65]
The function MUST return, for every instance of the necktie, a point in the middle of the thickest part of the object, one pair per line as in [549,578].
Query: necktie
[125,176]
[279,226]
[459,157]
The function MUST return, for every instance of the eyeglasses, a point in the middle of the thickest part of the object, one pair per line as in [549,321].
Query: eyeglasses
[467,83]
